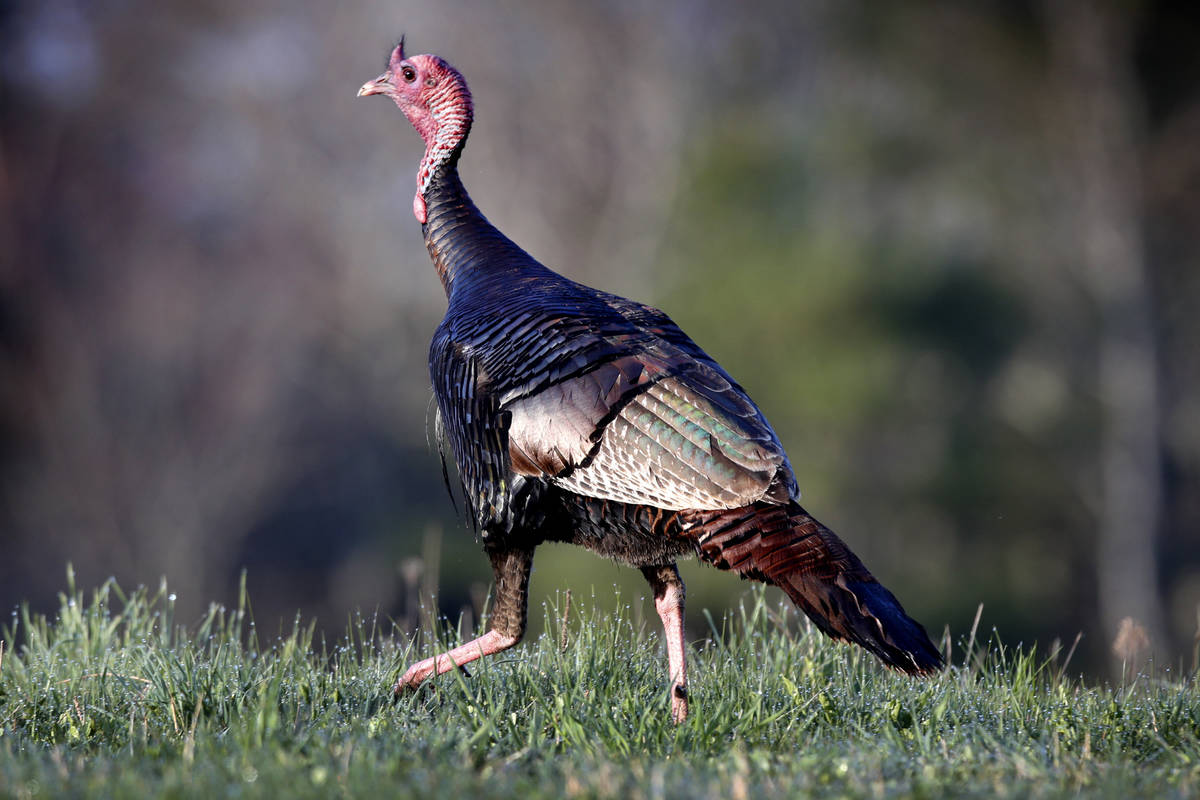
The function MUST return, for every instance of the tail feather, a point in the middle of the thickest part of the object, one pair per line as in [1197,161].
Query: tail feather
[785,546]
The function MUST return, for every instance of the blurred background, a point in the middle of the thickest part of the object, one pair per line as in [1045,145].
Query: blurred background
[949,248]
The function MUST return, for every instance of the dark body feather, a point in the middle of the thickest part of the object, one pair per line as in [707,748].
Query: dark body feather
[578,416]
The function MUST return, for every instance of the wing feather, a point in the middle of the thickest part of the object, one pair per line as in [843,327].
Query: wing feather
[690,439]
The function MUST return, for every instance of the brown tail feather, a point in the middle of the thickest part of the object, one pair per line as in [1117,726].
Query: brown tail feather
[786,547]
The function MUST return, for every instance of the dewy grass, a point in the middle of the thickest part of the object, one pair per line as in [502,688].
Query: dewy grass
[112,697]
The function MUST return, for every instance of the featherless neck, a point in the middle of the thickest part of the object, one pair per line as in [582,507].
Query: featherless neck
[467,250]
[444,143]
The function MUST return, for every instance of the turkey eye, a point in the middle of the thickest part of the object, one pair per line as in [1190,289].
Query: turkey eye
[409,74]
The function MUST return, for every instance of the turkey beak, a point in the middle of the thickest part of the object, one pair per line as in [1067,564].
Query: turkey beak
[380,85]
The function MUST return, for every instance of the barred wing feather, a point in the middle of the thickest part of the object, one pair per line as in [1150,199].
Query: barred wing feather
[641,430]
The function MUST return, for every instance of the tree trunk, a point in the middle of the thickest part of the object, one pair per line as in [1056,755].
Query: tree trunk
[1092,63]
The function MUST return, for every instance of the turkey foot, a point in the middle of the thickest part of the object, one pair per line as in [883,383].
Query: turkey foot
[490,642]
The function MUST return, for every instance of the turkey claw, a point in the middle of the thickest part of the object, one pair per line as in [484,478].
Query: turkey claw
[408,683]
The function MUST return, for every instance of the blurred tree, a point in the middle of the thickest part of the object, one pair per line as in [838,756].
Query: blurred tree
[1093,66]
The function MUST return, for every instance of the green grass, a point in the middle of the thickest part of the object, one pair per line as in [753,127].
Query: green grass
[112,698]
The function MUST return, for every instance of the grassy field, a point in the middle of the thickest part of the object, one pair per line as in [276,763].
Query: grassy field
[112,698]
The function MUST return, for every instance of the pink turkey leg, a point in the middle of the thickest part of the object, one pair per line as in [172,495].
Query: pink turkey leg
[668,602]
[490,642]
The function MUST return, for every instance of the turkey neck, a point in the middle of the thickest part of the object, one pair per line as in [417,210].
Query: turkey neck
[467,250]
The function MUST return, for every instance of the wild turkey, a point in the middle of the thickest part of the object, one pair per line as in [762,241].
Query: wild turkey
[578,416]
